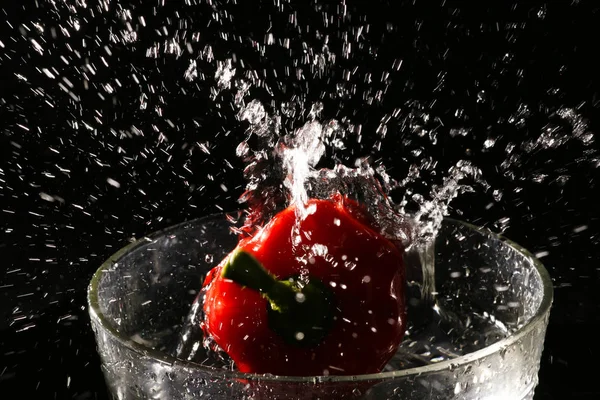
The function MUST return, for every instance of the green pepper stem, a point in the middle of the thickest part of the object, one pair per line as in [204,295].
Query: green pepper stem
[302,315]
[244,269]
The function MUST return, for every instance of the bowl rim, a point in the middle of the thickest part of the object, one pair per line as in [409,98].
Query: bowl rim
[536,321]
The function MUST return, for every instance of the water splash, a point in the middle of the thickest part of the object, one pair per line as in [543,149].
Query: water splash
[297,154]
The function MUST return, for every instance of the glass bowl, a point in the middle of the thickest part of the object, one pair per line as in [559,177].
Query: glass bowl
[140,297]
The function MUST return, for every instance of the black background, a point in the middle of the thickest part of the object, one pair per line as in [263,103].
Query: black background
[494,57]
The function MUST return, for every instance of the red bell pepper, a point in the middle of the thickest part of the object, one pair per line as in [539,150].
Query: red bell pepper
[322,295]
